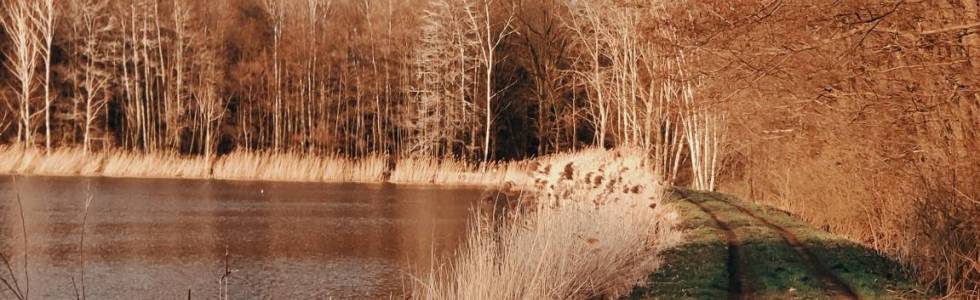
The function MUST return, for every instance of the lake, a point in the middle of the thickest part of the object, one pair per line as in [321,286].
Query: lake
[160,238]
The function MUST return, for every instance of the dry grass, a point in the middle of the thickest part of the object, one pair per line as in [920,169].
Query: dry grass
[256,166]
[880,147]
[297,167]
[437,171]
[591,233]
[918,202]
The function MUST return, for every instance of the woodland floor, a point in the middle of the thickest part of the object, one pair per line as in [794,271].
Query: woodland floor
[738,250]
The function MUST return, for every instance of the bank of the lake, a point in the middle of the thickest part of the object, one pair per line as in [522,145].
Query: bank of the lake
[258,166]
[589,224]
[738,250]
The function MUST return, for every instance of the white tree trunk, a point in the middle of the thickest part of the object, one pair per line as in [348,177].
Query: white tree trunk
[45,27]
[18,23]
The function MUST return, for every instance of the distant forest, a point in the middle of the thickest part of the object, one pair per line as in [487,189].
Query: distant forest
[468,79]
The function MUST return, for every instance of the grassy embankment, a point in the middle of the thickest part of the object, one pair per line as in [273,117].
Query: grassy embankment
[699,268]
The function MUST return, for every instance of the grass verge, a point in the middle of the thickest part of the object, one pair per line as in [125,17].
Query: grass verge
[696,269]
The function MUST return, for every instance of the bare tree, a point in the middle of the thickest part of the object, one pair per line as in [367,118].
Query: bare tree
[277,12]
[586,24]
[91,28]
[665,122]
[490,39]
[22,61]
[444,61]
[182,32]
[546,44]
[44,16]
[316,14]
[211,108]
[703,129]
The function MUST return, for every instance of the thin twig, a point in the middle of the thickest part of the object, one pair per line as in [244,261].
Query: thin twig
[7,284]
[75,287]
[223,282]
[11,285]
[23,226]
[15,288]
[81,244]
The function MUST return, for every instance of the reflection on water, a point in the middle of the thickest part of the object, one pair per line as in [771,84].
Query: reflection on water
[157,239]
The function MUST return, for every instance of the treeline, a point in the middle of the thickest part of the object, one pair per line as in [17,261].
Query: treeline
[475,79]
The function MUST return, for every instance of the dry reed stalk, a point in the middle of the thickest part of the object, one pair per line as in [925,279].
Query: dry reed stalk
[435,171]
[13,285]
[592,234]
[265,166]
[81,251]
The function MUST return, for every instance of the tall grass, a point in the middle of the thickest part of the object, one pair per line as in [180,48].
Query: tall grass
[921,207]
[456,172]
[593,231]
[264,166]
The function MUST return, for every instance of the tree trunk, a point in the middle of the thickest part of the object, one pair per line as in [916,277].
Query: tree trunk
[972,41]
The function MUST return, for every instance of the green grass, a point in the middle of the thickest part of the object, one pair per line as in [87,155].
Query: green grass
[773,268]
[869,274]
[696,269]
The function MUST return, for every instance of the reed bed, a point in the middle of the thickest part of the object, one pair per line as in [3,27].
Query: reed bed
[436,171]
[296,167]
[594,230]
[260,166]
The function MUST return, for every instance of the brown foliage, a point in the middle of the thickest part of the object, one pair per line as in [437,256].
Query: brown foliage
[860,116]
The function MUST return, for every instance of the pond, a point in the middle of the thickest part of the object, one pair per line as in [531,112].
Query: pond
[163,238]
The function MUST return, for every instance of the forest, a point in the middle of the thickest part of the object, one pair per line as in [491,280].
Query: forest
[861,117]
[350,77]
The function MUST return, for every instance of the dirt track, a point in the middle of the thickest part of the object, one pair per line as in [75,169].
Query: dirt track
[740,281]
[737,287]
[834,285]
[739,250]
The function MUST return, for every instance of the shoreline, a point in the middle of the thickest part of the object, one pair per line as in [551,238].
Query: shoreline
[239,180]
[258,167]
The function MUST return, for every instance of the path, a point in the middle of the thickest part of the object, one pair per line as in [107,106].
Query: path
[738,250]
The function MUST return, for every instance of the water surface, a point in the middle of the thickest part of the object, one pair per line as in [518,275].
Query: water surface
[159,239]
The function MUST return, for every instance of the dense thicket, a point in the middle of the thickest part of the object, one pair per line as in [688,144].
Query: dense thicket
[860,116]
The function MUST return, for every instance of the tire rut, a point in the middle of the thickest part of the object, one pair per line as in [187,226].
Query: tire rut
[738,287]
[831,283]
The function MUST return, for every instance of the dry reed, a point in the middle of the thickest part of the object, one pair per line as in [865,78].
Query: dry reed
[264,166]
[591,234]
